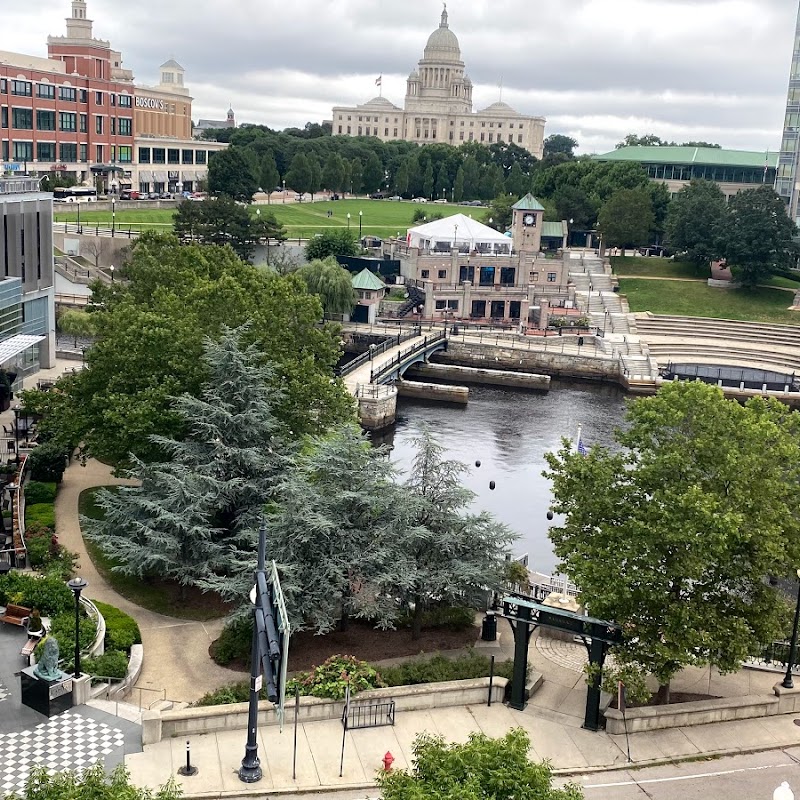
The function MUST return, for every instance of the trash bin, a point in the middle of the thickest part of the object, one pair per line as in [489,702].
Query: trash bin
[489,628]
[580,341]
[454,330]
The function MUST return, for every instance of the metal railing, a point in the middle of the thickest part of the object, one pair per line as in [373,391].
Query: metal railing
[376,350]
[111,688]
[374,391]
[775,656]
[397,363]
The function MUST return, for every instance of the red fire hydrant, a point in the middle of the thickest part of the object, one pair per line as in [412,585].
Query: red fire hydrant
[388,760]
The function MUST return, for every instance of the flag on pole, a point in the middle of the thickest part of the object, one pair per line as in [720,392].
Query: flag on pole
[379,80]
[766,166]
[579,445]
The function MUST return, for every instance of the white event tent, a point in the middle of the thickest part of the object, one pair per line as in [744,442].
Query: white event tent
[459,232]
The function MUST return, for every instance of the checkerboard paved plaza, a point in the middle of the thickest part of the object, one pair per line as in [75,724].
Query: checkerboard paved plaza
[69,741]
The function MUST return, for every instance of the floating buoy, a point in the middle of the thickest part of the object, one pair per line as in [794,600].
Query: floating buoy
[491,485]
[477,463]
[549,514]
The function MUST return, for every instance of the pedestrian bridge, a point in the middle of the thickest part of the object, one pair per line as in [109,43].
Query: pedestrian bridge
[369,377]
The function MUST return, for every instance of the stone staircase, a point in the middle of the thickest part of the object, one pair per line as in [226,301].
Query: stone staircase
[733,343]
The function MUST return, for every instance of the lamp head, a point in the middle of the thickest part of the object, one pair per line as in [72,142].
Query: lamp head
[77,584]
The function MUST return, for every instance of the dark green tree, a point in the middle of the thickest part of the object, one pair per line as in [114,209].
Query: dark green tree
[401,180]
[356,176]
[427,181]
[696,220]
[316,175]
[333,242]
[269,175]
[479,769]
[500,212]
[648,140]
[372,178]
[517,182]
[558,144]
[442,182]
[458,186]
[300,177]
[660,199]
[626,218]
[572,203]
[229,174]
[758,235]
[333,173]
[672,533]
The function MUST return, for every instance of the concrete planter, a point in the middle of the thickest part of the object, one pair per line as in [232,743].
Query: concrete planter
[158,725]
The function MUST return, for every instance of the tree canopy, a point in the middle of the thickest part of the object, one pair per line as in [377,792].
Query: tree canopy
[230,174]
[479,769]
[673,536]
[151,329]
[332,242]
[626,218]
[758,235]
[332,283]
[695,221]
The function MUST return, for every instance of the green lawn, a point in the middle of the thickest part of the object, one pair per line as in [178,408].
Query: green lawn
[162,597]
[657,267]
[700,300]
[380,217]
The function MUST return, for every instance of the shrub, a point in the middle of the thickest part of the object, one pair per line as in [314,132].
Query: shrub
[39,492]
[121,629]
[455,618]
[112,664]
[49,594]
[439,668]
[35,621]
[331,678]
[62,565]
[63,628]
[234,641]
[38,540]
[43,513]
[48,462]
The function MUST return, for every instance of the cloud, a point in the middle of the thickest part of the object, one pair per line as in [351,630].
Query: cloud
[684,69]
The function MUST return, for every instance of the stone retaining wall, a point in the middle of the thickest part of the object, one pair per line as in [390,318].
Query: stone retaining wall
[492,356]
[488,377]
[433,391]
[702,712]
[158,725]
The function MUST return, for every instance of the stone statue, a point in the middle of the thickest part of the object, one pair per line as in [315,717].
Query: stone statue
[47,668]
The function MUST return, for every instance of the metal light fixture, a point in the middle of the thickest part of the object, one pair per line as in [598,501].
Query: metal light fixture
[77,585]
[787,682]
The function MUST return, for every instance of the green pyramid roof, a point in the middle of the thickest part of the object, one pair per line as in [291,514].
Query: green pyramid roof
[528,203]
[367,281]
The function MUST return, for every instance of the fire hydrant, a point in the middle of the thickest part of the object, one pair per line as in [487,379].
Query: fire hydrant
[388,760]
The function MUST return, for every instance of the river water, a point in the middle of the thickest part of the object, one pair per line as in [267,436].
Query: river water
[509,431]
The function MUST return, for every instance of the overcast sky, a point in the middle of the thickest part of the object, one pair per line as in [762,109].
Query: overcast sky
[715,70]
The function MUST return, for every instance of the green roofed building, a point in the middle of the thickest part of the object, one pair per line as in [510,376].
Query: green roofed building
[733,170]
[369,290]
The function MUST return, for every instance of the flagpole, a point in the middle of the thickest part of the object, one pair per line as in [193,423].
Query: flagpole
[578,437]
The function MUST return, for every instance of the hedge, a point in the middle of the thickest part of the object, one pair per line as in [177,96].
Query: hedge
[43,513]
[49,594]
[112,664]
[40,492]
[121,629]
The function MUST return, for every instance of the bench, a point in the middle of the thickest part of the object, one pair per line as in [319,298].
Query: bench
[15,615]
[28,648]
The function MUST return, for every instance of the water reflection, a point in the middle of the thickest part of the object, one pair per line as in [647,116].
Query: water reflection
[509,432]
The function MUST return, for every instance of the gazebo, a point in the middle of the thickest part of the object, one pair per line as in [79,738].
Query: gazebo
[459,232]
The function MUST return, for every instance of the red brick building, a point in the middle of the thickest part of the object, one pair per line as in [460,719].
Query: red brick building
[71,111]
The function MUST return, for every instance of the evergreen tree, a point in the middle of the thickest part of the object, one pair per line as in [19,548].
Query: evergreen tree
[356,176]
[300,177]
[194,516]
[401,179]
[230,173]
[442,181]
[458,187]
[373,174]
[270,178]
[517,183]
[333,174]
[443,552]
[472,177]
[427,181]
[316,175]
[334,531]
[414,175]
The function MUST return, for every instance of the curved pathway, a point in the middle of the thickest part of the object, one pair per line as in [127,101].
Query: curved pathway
[176,660]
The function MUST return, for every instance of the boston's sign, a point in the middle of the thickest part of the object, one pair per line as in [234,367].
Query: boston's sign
[152,103]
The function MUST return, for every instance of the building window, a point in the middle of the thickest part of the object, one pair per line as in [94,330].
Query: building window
[84,96]
[46,91]
[551,277]
[21,88]
[98,98]
[66,121]
[442,274]
[46,120]
[483,137]
[113,152]
[461,135]
[173,156]
[483,124]
[491,124]
[46,151]
[125,126]
[360,130]
[84,152]
[440,305]
[159,155]
[23,151]
[534,276]
[144,155]
[4,117]
[340,129]
[99,153]
[5,152]
[510,124]
[471,136]
[395,132]
[125,154]
[349,131]
[519,138]
[113,99]
[499,124]
[113,126]
[491,137]
[98,124]
[425,273]
[84,123]
[125,101]
[68,152]
[511,137]
[67,93]
[4,87]
[508,276]
[385,131]
[188,156]
[200,157]
[22,119]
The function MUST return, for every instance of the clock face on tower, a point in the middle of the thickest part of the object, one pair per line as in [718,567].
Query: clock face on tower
[529,220]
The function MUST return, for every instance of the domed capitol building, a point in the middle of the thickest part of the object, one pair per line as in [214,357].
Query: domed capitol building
[438,106]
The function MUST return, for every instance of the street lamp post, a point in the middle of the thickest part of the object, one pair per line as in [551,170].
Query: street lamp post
[284,190]
[360,218]
[111,270]
[77,585]
[348,220]
[77,200]
[16,432]
[787,682]
[113,216]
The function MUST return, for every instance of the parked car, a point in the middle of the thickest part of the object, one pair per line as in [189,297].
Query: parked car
[129,195]
[473,203]
[396,197]
[440,201]
[419,200]
[376,196]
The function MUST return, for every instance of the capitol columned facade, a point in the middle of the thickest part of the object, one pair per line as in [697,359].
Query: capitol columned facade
[438,107]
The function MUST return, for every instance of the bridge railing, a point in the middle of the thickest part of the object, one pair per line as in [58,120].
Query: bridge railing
[397,362]
[376,350]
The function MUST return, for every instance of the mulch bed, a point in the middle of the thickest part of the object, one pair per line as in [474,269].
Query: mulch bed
[368,644]
[674,697]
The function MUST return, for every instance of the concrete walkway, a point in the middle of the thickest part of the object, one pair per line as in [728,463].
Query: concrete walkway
[176,660]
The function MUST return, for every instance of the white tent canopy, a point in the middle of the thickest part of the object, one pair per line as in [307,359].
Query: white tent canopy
[458,232]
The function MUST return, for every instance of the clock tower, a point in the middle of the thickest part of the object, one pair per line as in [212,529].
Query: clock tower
[526,225]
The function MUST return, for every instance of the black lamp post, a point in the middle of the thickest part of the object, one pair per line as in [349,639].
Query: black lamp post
[787,682]
[348,220]
[77,585]
[111,270]
[360,218]
[113,216]
[16,432]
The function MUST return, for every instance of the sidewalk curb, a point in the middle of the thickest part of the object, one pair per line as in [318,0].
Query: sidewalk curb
[567,772]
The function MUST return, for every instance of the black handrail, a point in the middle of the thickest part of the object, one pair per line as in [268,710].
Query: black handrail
[397,362]
[376,350]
